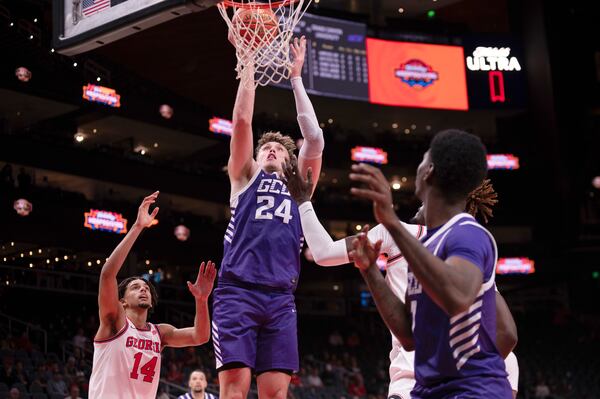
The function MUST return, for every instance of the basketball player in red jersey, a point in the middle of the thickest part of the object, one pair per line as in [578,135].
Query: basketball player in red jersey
[126,347]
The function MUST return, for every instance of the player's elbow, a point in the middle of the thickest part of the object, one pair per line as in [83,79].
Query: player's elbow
[201,339]
[407,343]
[241,121]
[506,341]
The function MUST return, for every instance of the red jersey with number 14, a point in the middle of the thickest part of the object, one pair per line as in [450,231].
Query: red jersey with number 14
[127,365]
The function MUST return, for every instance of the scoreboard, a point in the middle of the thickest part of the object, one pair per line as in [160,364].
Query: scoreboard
[336,61]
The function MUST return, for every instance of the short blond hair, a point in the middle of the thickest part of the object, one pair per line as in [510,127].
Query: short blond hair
[277,137]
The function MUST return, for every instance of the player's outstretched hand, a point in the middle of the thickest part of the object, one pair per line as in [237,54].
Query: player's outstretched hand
[363,252]
[299,189]
[144,217]
[203,286]
[298,50]
[377,190]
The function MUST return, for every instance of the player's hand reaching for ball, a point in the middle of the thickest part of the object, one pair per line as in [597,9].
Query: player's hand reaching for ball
[144,217]
[203,286]
[298,50]
[299,189]
[363,252]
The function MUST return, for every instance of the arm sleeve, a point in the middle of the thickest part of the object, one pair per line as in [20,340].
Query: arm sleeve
[307,120]
[512,368]
[325,251]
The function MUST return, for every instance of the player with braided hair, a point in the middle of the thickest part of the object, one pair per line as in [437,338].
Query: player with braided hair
[327,252]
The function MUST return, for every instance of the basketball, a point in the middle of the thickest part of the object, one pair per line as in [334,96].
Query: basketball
[256,26]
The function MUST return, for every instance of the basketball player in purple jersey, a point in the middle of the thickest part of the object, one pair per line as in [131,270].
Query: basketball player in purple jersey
[329,253]
[254,315]
[450,313]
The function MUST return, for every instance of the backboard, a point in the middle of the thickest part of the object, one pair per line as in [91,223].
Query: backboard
[82,25]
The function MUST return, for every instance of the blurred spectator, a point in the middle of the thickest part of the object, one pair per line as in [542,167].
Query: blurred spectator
[356,387]
[174,375]
[19,374]
[80,340]
[24,180]
[14,393]
[23,342]
[353,340]
[542,391]
[7,372]
[313,379]
[161,393]
[7,181]
[336,339]
[73,393]
[57,385]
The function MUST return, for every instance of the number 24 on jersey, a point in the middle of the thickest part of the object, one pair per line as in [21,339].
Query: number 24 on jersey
[265,204]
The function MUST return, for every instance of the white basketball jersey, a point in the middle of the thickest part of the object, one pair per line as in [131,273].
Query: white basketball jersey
[402,375]
[127,365]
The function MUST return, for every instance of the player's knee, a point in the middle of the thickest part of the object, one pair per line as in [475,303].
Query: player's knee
[233,392]
[275,393]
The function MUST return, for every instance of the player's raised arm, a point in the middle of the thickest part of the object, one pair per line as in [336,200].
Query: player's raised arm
[112,315]
[241,163]
[311,152]
[392,310]
[200,332]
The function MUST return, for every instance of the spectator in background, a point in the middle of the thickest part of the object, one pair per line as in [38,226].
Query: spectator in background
[197,384]
[19,374]
[57,385]
[161,393]
[336,339]
[73,393]
[353,340]
[80,340]
[71,369]
[14,394]
[24,180]
[313,379]
[542,391]
[356,387]
[23,342]
[174,375]
[7,372]
[7,181]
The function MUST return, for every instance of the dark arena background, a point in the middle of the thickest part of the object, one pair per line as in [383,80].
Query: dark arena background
[87,132]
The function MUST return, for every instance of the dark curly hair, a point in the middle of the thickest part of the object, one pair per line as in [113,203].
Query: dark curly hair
[460,163]
[125,283]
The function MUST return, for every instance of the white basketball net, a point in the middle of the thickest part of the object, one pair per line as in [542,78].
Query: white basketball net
[257,43]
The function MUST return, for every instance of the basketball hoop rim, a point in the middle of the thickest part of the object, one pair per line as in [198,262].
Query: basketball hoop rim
[255,5]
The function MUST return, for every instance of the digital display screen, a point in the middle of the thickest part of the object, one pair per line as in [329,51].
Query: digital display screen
[417,75]
[502,161]
[515,266]
[220,126]
[102,95]
[335,63]
[105,221]
[495,72]
[369,154]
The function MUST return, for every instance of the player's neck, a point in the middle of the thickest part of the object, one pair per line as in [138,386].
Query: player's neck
[139,318]
[198,395]
[438,211]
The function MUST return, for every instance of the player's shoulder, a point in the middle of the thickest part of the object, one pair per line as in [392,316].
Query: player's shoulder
[416,230]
